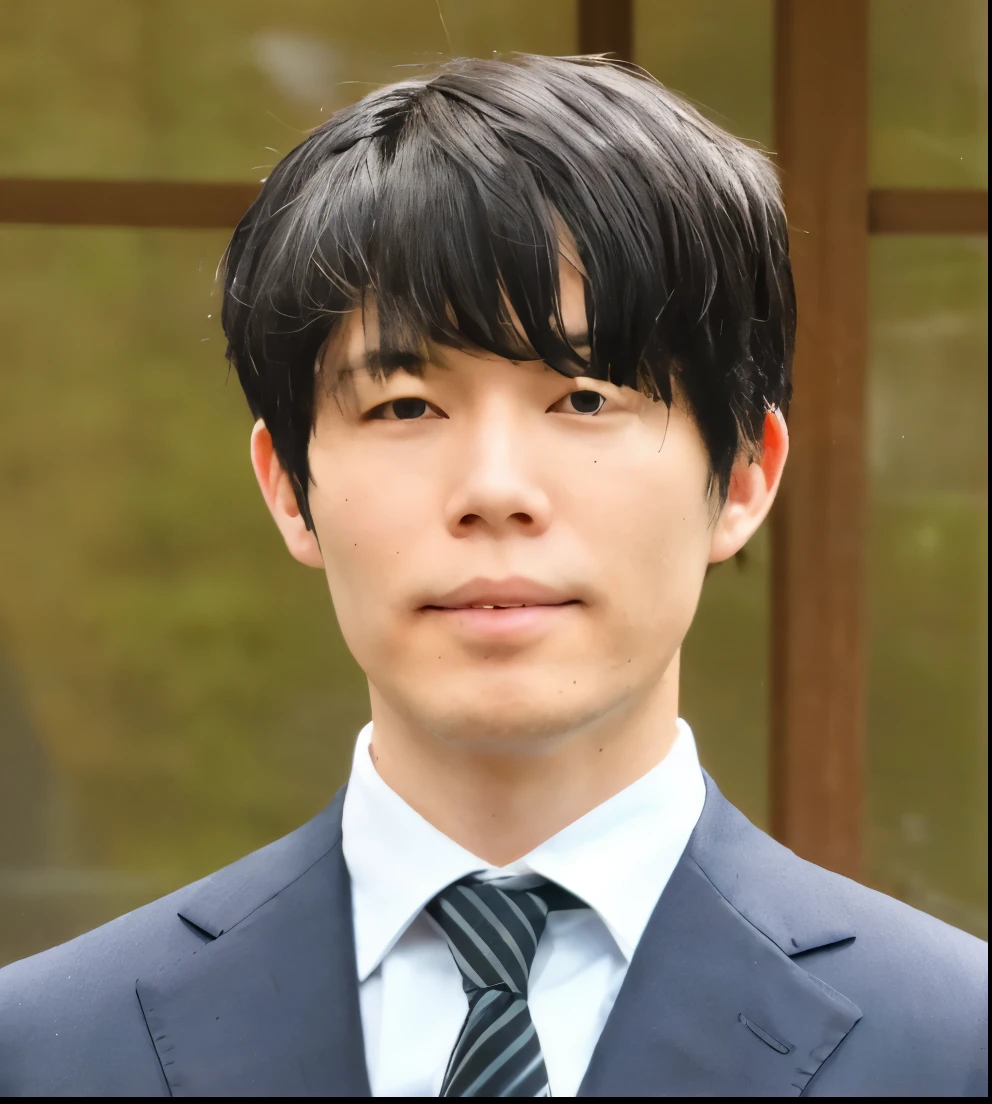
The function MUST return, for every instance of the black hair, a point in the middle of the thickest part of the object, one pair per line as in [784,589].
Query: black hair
[443,200]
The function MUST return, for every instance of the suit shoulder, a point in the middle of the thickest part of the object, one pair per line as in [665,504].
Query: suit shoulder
[801,906]
[117,947]
[155,931]
[922,987]
[64,1011]
[903,939]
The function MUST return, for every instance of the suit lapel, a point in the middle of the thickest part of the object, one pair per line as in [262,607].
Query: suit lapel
[270,1008]
[712,1004]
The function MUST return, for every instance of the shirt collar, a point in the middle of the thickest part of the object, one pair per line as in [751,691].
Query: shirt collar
[618,857]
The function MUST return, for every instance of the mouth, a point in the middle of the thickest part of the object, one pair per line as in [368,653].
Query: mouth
[491,623]
[502,608]
[511,593]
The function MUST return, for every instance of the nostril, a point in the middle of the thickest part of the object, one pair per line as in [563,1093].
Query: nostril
[469,521]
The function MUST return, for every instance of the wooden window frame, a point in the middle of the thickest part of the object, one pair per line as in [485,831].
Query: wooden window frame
[818,669]
[819,577]
[200,205]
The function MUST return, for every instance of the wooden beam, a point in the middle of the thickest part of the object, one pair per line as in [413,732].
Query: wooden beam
[205,205]
[818,526]
[928,211]
[606,27]
[138,203]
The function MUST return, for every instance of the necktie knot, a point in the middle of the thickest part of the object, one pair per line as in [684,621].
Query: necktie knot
[493,931]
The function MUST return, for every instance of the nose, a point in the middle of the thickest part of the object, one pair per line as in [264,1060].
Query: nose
[497,486]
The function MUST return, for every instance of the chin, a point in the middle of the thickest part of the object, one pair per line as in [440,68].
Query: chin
[512,718]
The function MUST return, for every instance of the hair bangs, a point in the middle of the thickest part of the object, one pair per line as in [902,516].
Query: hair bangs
[449,244]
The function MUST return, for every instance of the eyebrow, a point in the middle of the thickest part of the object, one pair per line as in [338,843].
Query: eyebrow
[375,361]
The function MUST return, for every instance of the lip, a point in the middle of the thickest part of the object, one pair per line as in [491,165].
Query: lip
[515,591]
[509,625]
[535,609]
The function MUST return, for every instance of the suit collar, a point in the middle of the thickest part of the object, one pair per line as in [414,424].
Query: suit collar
[220,902]
[712,1003]
[786,898]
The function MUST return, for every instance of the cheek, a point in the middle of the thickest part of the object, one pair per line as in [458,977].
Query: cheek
[652,534]
[368,520]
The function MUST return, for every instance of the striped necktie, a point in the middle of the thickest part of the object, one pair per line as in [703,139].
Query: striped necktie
[493,932]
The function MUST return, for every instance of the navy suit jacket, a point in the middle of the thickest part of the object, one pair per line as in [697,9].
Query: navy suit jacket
[758,974]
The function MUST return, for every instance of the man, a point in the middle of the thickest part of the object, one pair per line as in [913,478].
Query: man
[518,340]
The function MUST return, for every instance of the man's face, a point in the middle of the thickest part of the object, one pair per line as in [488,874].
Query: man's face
[495,483]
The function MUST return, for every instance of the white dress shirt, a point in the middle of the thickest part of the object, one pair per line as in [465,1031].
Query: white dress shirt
[618,858]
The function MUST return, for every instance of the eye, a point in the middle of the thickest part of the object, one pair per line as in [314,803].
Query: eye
[580,402]
[403,410]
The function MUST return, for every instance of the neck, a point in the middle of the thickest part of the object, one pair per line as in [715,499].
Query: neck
[500,806]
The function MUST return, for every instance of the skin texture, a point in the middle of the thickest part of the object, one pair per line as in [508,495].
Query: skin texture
[501,739]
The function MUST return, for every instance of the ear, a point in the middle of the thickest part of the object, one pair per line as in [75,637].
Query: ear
[753,486]
[277,490]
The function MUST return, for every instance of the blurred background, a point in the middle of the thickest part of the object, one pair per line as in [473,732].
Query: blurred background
[173,689]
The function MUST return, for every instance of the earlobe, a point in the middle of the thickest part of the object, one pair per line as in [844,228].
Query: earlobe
[752,490]
[277,490]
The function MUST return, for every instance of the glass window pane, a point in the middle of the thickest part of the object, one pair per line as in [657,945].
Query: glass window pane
[718,53]
[218,89]
[928,582]
[928,84]
[724,680]
[173,690]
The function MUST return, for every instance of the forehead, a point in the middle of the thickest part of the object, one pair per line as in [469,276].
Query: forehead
[354,344]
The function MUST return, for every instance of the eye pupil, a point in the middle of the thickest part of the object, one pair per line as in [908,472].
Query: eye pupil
[409,408]
[586,402]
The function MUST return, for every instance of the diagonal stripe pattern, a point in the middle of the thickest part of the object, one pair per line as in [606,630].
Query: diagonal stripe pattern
[493,934]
